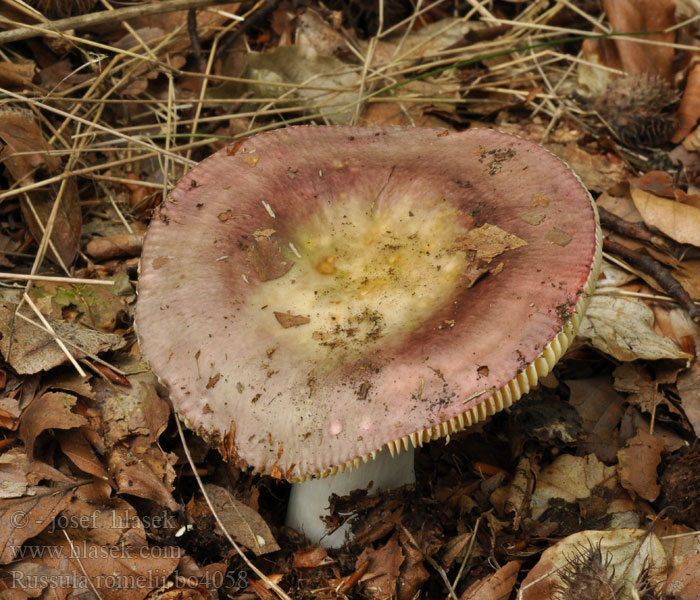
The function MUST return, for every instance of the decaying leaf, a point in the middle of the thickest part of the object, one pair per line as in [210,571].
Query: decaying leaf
[23,518]
[383,570]
[265,256]
[243,523]
[146,474]
[53,410]
[288,320]
[637,465]
[678,221]
[624,328]
[689,391]
[29,349]
[570,478]
[488,241]
[496,586]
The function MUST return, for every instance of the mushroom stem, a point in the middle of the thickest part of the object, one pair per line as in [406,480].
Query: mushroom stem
[308,503]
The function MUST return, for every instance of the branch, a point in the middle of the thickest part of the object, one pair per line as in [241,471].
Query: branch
[659,272]
[101,18]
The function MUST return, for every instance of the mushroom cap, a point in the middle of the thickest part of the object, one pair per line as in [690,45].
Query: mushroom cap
[314,294]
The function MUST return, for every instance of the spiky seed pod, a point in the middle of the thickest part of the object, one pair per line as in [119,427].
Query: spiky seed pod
[587,576]
[59,9]
[638,109]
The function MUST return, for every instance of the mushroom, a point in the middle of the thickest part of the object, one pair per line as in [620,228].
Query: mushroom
[318,297]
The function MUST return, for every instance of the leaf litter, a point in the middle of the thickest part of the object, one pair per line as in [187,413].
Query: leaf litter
[597,475]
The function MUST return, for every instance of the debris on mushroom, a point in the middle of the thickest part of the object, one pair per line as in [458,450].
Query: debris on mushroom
[361,300]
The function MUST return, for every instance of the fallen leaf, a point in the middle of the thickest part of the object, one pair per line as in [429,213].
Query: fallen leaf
[688,386]
[496,586]
[558,236]
[689,109]
[600,408]
[380,579]
[624,328]
[126,244]
[136,410]
[25,148]
[265,256]
[288,320]
[105,547]
[637,463]
[242,523]
[683,582]
[23,518]
[624,552]
[487,242]
[678,221]
[80,452]
[412,573]
[28,349]
[137,474]
[16,74]
[310,559]
[98,307]
[570,478]
[53,410]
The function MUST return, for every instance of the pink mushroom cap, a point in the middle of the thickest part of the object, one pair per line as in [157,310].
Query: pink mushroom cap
[308,295]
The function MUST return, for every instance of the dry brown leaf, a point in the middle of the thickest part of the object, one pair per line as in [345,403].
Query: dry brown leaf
[630,551]
[146,475]
[137,410]
[26,151]
[53,410]
[689,110]
[16,74]
[637,463]
[678,221]
[597,171]
[25,148]
[385,562]
[688,386]
[600,408]
[412,574]
[265,256]
[570,478]
[23,518]
[496,586]
[98,307]
[624,328]
[242,523]
[683,581]
[488,241]
[126,244]
[105,546]
[76,447]
[634,379]
[288,320]
[311,558]
[28,349]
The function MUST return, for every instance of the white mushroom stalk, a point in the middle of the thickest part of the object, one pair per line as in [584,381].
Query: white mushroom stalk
[338,293]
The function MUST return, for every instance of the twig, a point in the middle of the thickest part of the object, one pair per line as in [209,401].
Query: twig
[194,40]
[18,277]
[659,272]
[431,561]
[57,339]
[103,17]
[639,231]
[94,357]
